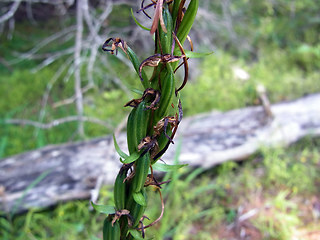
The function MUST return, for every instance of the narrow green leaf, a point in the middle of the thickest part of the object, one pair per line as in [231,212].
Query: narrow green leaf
[133,157]
[136,64]
[138,91]
[107,209]
[166,37]
[187,22]
[139,198]
[192,175]
[191,54]
[119,151]
[139,24]
[166,167]
[135,234]
[175,9]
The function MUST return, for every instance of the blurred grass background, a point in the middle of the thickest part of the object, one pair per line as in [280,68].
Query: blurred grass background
[277,43]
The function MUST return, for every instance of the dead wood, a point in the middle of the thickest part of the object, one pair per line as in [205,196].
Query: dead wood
[52,174]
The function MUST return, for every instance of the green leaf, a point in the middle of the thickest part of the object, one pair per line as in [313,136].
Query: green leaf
[138,91]
[107,209]
[133,157]
[139,198]
[139,24]
[175,9]
[135,234]
[166,167]
[187,22]
[166,37]
[119,151]
[191,54]
[136,64]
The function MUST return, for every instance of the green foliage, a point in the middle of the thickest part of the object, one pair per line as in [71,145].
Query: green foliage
[20,91]
[191,201]
[283,220]
[307,57]
[22,88]
[69,221]
[215,87]
[199,203]
[219,88]
[290,168]
[120,10]
[258,24]
[66,221]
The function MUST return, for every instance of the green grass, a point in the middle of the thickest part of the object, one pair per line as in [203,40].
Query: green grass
[217,87]
[199,203]
[66,221]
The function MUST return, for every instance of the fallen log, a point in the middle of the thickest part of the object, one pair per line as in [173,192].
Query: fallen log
[52,174]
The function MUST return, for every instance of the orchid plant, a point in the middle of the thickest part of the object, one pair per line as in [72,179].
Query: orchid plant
[154,119]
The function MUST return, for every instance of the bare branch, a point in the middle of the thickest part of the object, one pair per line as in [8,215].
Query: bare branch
[52,2]
[30,13]
[11,22]
[77,64]
[49,87]
[92,60]
[71,99]
[94,26]
[54,57]
[6,64]
[30,55]
[225,5]
[88,19]
[85,50]
[58,122]
[11,12]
